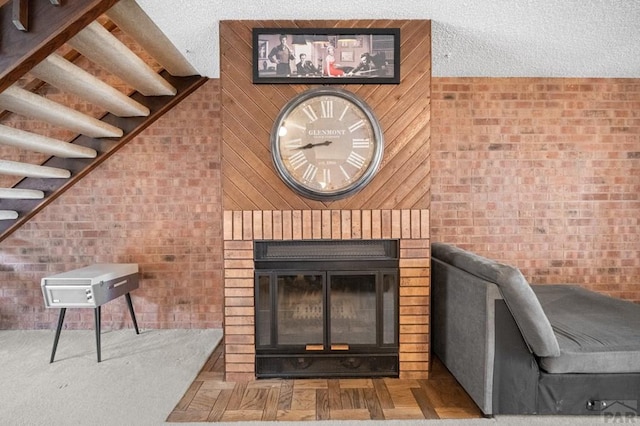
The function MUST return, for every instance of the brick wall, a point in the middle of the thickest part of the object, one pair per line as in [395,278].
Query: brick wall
[543,174]
[410,227]
[156,203]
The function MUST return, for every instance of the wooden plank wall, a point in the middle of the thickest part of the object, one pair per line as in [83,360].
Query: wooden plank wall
[250,181]
[258,205]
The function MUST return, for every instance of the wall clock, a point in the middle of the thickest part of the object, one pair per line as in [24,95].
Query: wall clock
[326,143]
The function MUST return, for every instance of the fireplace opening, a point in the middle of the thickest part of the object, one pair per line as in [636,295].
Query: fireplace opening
[326,308]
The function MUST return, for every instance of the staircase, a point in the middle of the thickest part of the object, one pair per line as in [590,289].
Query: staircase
[41,43]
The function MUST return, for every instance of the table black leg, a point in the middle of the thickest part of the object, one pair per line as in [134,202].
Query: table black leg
[133,315]
[97,317]
[55,340]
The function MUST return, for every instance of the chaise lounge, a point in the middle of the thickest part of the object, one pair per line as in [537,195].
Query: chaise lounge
[541,349]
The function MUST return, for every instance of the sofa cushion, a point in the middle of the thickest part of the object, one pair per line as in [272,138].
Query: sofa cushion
[596,333]
[516,291]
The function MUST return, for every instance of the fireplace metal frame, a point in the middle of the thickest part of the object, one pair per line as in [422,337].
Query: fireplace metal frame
[372,257]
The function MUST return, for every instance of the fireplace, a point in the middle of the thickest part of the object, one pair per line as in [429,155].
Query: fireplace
[242,229]
[326,308]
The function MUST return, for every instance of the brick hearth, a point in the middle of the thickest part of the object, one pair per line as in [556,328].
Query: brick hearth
[241,228]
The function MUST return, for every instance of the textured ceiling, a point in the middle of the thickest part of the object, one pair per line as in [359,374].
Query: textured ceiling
[476,38]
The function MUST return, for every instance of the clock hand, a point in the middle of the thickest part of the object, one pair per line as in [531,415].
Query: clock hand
[311,145]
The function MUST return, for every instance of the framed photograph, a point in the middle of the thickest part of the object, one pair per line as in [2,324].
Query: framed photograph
[346,56]
[326,55]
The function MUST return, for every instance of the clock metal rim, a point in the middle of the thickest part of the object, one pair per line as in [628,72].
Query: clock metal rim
[351,189]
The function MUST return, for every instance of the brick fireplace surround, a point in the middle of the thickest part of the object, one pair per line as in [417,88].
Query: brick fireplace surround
[241,228]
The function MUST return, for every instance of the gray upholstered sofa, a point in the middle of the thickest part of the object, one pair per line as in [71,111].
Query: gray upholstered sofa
[521,349]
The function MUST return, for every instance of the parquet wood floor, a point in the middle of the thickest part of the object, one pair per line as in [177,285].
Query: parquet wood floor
[211,399]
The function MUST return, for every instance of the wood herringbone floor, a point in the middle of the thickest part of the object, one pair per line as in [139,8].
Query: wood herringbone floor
[210,398]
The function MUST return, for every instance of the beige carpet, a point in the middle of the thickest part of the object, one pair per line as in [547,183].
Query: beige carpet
[139,381]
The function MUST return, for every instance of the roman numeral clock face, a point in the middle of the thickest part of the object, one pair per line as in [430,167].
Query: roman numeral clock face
[326,144]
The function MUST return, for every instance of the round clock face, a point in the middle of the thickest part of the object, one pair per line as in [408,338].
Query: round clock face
[326,143]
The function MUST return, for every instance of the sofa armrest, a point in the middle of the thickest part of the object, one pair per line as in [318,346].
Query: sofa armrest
[476,337]
[463,329]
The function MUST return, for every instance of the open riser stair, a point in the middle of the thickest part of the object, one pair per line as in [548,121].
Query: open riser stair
[75,50]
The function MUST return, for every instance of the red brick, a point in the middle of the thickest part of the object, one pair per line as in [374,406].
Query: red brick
[557,183]
[152,203]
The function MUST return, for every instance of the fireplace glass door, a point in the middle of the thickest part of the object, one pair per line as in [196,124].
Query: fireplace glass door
[326,310]
[307,321]
[300,309]
[334,317]
[352,308]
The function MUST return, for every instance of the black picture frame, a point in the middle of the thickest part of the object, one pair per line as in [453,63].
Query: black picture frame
[377,49]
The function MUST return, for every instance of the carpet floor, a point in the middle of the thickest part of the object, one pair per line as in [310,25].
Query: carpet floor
[139,381]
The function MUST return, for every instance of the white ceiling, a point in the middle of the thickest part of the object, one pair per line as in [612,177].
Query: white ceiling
[475,38]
